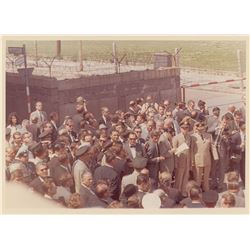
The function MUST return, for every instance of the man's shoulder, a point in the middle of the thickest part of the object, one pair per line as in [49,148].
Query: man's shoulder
[36,182]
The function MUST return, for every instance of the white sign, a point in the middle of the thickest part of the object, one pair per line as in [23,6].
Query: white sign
[183,147]
[19,61]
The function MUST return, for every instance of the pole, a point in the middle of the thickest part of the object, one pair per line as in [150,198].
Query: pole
[177,57]
[58,48]
[183,96]
[115,57]
[26,79]
[81,57]
[240,71]
[36,55]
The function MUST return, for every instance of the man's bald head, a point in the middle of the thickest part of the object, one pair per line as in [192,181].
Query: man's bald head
[231,108]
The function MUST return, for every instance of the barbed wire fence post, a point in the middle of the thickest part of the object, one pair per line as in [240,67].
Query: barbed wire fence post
[81,56]
[36,54]
[49,65]
[239,57]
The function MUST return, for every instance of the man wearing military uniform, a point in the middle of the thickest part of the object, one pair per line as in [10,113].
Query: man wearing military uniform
[183,160]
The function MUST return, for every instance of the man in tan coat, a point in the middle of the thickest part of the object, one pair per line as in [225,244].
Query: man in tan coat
[183,158]
[201,155]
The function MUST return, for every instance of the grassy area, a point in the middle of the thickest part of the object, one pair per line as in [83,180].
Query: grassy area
[213,55]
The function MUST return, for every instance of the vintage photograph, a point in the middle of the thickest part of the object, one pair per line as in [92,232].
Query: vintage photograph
[129,124]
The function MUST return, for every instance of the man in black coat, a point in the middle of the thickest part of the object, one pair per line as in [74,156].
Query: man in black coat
[107,172]
[87,196]
[133,148]
[105,119]
[42,174]
[154,157]
[78,117]
[238,142]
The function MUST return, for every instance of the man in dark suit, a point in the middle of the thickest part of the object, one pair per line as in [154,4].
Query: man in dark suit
[238,142]
[42,174]
[54,118]
[107,172]
[39,113]
[138,132]
[71,134]
[105,119]
[213,121]
[143,186]
[165,182]
[179,112]
[87,196]
[59,167]
[133,148]
[229,115]
[154,157]
[81,109]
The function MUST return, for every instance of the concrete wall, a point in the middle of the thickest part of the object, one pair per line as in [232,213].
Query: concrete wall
[114,91]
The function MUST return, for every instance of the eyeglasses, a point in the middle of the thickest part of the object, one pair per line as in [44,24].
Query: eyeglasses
[44,169]
[132,139]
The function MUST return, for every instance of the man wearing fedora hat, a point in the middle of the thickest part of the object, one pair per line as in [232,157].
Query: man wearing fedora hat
[80,165]
[201,155]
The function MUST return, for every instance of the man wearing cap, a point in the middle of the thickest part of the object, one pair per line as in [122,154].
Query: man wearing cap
[183,159]
[139,164]
[80,165]
[39,113]
[81,109]
[201,155]
[28,168]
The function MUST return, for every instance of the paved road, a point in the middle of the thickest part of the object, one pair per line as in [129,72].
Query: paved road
[220,99]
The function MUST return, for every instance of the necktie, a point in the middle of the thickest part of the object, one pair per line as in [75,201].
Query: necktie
[40,116]
[202,137]
[157,149]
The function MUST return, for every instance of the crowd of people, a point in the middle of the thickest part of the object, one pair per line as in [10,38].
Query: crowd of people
[153,155]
